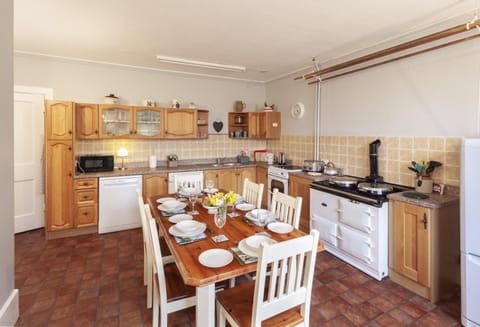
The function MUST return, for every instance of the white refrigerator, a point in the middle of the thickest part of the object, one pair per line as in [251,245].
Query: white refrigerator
[470,231]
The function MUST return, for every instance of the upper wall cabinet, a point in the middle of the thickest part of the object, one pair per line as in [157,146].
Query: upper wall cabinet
[86,123]
[255,125]
[104,121]
[186,123]
[148,122]
[115,121]
[59,120]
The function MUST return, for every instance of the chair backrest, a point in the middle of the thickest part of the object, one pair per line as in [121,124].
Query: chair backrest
[158,263]
[143,218]
[252,193]
[285,277]
[286,208]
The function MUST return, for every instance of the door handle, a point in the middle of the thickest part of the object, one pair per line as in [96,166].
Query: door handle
[425,221]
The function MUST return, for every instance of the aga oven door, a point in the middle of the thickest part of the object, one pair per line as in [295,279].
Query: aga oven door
[279,183]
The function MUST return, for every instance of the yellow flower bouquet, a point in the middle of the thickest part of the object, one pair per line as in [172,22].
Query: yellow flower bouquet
[220,198]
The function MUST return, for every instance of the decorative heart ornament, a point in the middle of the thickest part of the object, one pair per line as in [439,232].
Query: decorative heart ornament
[217,126]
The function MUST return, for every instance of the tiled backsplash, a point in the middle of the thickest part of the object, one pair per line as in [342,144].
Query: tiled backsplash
[394,155]
[139,151]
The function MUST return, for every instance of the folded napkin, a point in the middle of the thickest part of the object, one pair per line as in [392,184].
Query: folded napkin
[241,257]
[190,239]
[171,213]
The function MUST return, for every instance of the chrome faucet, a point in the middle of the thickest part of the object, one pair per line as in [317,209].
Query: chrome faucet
[218,161]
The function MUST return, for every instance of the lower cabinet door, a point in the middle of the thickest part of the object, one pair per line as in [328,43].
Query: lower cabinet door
[86,215]
[358,215]
[327,229]
[356,244]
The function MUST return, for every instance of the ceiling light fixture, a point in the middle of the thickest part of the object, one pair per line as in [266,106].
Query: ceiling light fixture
[202,64]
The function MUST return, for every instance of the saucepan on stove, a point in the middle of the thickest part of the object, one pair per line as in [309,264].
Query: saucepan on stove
[313,165]
[331,170]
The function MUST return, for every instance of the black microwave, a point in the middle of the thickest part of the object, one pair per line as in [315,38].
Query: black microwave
[88,164]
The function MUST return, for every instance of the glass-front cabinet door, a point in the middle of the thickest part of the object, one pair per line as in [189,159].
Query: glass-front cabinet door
[116,121]
[148,122]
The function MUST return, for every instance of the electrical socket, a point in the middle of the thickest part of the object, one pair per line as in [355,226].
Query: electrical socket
[439,188]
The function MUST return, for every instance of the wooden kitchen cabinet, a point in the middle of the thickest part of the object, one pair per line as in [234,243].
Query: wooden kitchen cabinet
[148,123]
[155,184]
[424,249]
[255,125]
[180,124]
[58,120]
[86,202]
[59,179]
[230,179]
[115,121]
[298,186]
[262,178]
[86,121]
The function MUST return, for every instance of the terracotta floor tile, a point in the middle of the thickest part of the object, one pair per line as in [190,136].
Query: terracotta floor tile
[97,280]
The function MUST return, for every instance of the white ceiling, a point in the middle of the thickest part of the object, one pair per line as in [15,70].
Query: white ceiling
[271,38]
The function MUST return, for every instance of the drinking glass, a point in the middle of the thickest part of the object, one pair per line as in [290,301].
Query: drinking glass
[192,197]
[209,184]
[262,217]
[220,217]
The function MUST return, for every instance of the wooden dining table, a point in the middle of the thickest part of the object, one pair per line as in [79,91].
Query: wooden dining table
[202,277]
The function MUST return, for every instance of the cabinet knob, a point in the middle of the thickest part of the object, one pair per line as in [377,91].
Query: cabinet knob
[69,174]
[85,213]
[70,132]
[69,148]
[96,131]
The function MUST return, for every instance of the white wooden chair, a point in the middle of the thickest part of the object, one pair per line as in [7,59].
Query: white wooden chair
[170,294]
[281,294]
[252,193]
[147,254]
[286,208]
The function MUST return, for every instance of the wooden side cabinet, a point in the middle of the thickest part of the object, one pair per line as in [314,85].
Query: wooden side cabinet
[154,184]
[424,249]
[86,202]
[298,186]
[230,179]
[59,179]
[254,125]
[180,123]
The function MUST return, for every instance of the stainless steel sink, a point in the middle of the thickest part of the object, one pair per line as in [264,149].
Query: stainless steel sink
[227,164]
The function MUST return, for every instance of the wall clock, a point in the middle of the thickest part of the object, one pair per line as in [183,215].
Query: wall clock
[297,110]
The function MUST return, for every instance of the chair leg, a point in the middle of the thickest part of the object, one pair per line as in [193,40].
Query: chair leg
[150,290]
[156,304]
[145,265]
[220,316]
[231,282]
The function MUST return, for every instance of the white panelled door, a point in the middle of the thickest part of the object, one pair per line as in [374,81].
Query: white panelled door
[28,156]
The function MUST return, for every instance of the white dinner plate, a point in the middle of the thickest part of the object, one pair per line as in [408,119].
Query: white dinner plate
[245,206]
[173,230]
[215,258]
[161,200]
[242,245]
[188,226]
[180,217]
[180,205]
[280,228]
[212,190]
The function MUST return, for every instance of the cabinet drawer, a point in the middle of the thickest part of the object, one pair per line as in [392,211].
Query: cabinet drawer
[82,183]
[358,216]
[356,244]
[86,215]
[86,196]
[327,229]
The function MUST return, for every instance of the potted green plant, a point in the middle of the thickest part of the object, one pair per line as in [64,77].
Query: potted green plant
[424,169]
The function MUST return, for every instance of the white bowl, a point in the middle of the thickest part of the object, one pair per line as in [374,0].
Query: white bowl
[187,226]
[171,204]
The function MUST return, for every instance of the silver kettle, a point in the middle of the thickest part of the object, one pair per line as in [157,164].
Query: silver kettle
[281,158]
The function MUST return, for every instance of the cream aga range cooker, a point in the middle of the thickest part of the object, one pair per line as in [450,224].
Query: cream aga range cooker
[351,215]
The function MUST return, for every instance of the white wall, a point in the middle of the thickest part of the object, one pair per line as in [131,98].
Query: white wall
[434,94]
[89,82]
[8,296]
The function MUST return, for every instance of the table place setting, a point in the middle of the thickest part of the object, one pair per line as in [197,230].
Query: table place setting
[247,249]
[188,231]
[215,258]
[179,217]
[171,207]
[260,217]
[280,227]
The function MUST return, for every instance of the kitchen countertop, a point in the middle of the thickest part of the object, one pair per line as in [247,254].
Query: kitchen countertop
[434,201]
[162,169]
[305,175]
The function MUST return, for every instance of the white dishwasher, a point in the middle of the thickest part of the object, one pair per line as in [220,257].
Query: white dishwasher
[118,208]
